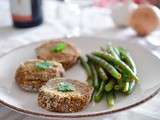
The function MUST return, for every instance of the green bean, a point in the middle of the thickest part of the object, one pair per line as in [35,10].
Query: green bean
[105,65]
[95,76]
[124,83]
[125,86]
[125,77]
[109,86]
[86,66]
[99,95]
[110,99]
[120,83]
[102,74]
[117,87]
[116,51]
[111,50]
[117,62]
[132,85]
[125,56]
[93,94]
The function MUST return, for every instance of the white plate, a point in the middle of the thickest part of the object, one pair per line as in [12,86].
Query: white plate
[148,67]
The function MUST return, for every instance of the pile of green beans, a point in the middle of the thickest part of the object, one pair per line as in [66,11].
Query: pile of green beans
[110,71]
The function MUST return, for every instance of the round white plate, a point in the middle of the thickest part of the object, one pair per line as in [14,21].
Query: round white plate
[148,67]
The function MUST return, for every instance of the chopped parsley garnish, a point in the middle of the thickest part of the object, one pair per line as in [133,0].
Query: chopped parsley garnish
[44,65]
[58,48]
[65,87]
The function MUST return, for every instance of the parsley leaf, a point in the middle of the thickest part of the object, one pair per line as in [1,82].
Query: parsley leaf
[44,65]
[58,48]
[65,87]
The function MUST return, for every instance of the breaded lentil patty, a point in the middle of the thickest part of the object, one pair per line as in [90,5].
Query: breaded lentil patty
[68,56]
[32,74]
[51,99]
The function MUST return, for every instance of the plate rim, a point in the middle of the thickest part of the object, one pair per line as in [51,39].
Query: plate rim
[93,114]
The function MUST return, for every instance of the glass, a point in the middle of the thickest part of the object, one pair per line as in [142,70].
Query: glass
[70,14]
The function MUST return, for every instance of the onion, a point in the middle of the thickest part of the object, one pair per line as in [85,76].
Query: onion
[145,19]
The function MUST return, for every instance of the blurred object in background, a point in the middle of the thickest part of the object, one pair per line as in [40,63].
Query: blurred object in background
[26,13]
[122,11]
[108,3]
[154,2]
[145,19]
[81,16]
[69,14]
[81,3]
[104,3]
[139,1]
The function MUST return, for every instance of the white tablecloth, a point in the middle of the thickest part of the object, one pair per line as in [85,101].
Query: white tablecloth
[89,21]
